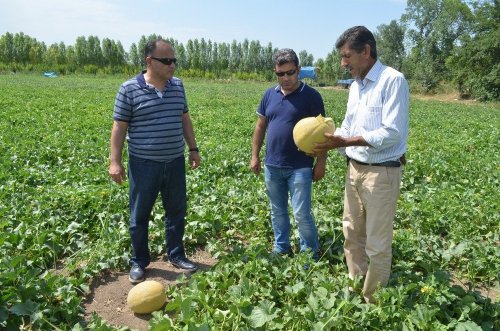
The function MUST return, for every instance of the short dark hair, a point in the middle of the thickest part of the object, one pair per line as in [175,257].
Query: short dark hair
[150,46]
[356,38]
[285,55]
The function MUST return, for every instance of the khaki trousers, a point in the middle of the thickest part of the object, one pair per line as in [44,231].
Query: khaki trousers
[371,194]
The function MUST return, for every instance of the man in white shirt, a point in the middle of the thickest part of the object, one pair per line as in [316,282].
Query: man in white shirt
[373,137]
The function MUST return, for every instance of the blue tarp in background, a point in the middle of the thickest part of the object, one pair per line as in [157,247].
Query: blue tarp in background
[307,72]
[50,74]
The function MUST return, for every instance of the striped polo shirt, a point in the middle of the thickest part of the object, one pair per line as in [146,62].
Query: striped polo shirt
[377,110]
[154,119]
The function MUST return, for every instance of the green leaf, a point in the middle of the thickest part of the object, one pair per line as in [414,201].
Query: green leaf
[27,308]
[468,326]
[258,317]
[321,292]
[4,313]
[202,327]
[262,314]
[165,324]
[313,302]
[298,287]
[186,309]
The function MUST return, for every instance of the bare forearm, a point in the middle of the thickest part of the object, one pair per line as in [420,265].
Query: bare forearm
[321,158]
[335,141]
[118,133]
[188,131]
[257,141]
[355,141]
[258,136]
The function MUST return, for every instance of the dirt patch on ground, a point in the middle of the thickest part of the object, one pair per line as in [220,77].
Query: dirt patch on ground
[446,97]
[481,289]
[108,297]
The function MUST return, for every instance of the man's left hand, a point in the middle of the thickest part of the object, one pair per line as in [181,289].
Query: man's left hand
[194,159]
[332,141]
[319,171]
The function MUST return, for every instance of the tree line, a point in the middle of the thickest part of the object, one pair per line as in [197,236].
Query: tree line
[434,42]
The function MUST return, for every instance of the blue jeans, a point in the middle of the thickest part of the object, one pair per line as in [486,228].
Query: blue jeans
[297,182]
[147,179]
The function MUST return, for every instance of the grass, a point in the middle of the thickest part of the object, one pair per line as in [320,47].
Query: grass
[58,207]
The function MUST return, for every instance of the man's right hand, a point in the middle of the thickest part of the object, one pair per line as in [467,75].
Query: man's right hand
[255,165]
[117,172]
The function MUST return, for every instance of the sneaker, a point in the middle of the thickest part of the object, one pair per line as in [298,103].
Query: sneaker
[183,263]
[136,274]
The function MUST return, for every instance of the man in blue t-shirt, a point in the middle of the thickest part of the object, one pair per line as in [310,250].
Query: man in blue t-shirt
[288,170]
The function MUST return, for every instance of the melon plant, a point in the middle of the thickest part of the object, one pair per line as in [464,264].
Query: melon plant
[146,297]
[311,130]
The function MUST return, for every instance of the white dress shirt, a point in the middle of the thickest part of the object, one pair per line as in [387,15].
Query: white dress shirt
[377,110]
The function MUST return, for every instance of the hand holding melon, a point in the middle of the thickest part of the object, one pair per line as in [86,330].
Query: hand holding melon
[310,131]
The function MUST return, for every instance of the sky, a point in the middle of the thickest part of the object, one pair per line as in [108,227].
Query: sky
[312,25]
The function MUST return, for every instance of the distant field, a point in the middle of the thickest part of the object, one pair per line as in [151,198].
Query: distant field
[58,210]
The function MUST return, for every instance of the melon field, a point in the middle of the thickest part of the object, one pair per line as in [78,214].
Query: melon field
[63,223]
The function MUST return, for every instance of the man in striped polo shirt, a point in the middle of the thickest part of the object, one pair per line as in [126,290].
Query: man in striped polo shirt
[151,112]
[373,136]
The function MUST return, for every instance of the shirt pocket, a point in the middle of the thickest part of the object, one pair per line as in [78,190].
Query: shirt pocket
[372,118]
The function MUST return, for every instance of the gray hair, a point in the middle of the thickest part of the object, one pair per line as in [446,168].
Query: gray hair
[356,38]
[285,55]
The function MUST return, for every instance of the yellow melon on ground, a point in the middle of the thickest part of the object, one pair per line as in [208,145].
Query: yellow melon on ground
[146,297]
[311,130]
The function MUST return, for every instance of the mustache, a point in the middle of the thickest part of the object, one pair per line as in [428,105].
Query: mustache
[347,68]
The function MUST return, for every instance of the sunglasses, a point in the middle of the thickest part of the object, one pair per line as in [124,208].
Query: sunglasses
[288,73]
[165,60]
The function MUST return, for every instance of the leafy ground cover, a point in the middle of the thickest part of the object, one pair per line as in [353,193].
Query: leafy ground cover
[62,222]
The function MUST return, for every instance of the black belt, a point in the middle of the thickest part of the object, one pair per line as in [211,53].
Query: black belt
[392,164]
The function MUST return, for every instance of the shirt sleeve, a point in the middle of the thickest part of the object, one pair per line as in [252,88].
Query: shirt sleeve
[318,106]
[186,107]
[261,110]
[123,106]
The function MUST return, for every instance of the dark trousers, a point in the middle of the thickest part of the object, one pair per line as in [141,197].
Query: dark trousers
[147,179]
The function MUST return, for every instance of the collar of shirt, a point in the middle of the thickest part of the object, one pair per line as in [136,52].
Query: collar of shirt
[158,92]
[143,84]
[372,75]
[297,90]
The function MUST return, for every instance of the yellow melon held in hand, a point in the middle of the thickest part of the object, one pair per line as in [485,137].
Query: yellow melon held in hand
[146,297]
[311,130]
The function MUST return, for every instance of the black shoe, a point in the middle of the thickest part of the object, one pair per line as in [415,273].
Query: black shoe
[136,274]
[183,263]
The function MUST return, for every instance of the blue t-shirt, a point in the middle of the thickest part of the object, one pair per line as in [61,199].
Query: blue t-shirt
[282,113]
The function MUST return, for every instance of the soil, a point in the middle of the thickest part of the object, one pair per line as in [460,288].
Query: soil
[446,97]
[483,290]
[108,297]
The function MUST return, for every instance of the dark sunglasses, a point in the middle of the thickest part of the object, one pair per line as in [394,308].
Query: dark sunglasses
[288,73]
[165,60]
